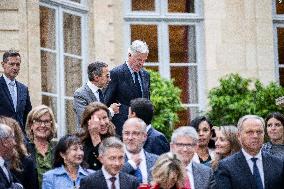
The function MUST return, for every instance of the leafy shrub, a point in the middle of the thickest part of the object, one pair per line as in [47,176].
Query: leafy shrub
[166,101]
[235,98]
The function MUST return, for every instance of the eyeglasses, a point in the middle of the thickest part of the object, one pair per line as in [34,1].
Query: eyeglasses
[40,122]
[187,145]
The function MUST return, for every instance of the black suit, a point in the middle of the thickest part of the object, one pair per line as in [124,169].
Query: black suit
[23,102]
[8,184]
[97,180]
[121,89]
[234,172]
[156,142]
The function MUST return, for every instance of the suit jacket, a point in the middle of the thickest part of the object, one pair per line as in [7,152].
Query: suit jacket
[8,184]
[150,161]
[156,142]
[23,102]
[234,172]
[202,175]
[82,97]
[98,181]
[121,89]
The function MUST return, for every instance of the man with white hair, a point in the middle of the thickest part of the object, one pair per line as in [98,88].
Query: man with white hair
[183,144]
[128,81]
[7,150]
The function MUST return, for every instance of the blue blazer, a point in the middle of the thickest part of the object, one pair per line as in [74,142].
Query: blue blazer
[150,161]
[97,180]
[234,172]
[121,89]
[23,102]
[156,142]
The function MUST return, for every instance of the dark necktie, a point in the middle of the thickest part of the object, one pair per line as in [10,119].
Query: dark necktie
[101,96]
[137,84]
[138,175]
[112,179]
[256,174]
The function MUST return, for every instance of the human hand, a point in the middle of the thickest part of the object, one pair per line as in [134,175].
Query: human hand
[115,107]
[94,124]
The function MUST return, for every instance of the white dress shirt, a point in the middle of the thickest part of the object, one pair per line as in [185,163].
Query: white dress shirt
[189,172]
[142,165]
[108,176]
[259,164]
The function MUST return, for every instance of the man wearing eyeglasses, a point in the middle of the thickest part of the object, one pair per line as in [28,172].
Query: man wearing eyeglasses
[137,162]
[15,100]
[183,144]
[7,150]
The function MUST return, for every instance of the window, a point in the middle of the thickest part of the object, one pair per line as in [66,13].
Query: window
[278,27]
[172,29]
[63,58]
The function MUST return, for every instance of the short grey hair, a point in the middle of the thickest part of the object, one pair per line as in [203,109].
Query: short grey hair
[138,46]
[110,142]
[5,131]
[246,117]
[139,121]
[185,131]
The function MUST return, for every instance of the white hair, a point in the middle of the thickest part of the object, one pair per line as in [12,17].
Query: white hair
[244,118]
[185,131]
[138,46]
[5,131]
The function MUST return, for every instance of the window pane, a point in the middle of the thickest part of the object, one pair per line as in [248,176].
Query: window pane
[73,72]
[50,102]
[279,7]
[149,34]
[153,68]
[72,34]
[186,115]
[47,27]
[181,6]
[143,5]
[280,36]
[70,117]
[281,76]
[48,72]
[182,44]
[186,79]
[76,1]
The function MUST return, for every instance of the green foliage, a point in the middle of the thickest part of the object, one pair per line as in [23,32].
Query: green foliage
[166,101]
[235,98]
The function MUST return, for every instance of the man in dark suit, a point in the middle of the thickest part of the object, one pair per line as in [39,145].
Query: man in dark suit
[15,100]
[250,168]
[183,144]
[7,143]
[156,141]
[128,81]
[111,154]
[139,163]
[99,77]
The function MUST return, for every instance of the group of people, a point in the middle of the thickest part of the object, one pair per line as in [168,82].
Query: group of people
[115,146]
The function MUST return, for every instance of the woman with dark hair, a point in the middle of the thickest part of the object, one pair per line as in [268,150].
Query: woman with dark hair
[226,143]
[205,146]
[21,164]
[40,129]
[96,126]
[275,130]
[67,163]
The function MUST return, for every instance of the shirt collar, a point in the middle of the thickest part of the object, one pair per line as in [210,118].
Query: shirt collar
[107,175]
[93,87]
[141,153]
[248,156]
[7,80]
[61,171]
[2,161]
[148,127]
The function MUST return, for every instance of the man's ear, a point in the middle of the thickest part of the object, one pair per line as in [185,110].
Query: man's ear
[100,158]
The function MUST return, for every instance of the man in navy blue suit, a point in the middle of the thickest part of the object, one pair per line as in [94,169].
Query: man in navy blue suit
[250,168]
[156,141]
[128,81]
[15,100]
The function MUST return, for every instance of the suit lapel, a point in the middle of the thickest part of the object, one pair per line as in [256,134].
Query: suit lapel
[7,92]
[129,79]
[247,175]
[197,182]
[101,175]
[145,82]
[267,176]
[122,181]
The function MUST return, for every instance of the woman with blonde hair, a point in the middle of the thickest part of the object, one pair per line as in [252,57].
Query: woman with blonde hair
[21,164]
[168,173]
[226,143]
[96,126]
[41,129]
